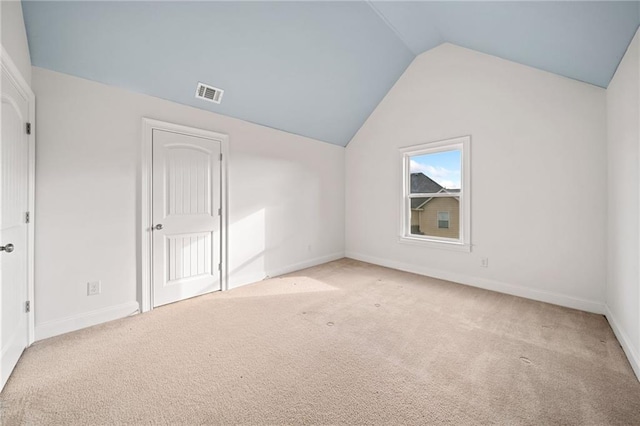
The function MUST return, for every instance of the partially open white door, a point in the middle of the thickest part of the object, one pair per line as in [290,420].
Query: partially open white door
[14,204]
[186,216]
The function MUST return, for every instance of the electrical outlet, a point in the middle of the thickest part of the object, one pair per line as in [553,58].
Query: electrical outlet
[93,288]
[484,262]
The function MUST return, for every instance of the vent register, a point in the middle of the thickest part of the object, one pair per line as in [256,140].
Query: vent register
[209,93]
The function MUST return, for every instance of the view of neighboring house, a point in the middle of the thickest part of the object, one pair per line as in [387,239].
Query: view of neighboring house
[434,216]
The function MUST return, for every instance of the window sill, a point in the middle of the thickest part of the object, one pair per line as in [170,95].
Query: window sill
[438,244]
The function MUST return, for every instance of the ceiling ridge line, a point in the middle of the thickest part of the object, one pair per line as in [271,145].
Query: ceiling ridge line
[623,55]
[390,26]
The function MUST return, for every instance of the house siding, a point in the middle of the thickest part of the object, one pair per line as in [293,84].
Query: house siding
[428,217]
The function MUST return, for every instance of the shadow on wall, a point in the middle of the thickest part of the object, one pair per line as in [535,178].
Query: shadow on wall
[247,247]
[275,219]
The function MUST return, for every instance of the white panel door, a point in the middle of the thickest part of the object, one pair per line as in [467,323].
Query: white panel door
[186,216]
[14,164]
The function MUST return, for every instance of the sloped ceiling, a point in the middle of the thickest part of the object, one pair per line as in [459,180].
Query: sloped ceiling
[317,69]
[580,40]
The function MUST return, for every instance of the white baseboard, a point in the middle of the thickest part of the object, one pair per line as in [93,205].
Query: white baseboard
[305,264]
[487,284]
[245,279]
[252,278]
[87,319]
[623,338]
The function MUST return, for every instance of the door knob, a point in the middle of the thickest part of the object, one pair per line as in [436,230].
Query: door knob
[158,227]
[8,248]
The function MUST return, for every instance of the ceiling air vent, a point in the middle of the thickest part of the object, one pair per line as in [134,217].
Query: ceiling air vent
[209,93]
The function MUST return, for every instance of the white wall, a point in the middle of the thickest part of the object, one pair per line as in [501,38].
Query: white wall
[286,198]
[623,275]
[538,176]
[14,36]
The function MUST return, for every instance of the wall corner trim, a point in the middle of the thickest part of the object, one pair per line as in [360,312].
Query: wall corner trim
[87,319]
[625,342]
[487,284]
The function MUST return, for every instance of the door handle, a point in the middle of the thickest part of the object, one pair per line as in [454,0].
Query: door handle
[8,248]
[158,227]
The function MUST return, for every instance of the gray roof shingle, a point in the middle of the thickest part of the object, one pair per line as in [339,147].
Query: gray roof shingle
[421,183]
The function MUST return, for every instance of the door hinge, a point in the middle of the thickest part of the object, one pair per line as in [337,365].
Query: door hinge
[219,266]
[28,128]
[220,156]
[27,217]
[220,212]
[27,306]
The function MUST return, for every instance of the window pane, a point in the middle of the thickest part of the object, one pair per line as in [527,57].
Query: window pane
[415,222]
[433,193]
[433,173]
[436,217]
[443,220]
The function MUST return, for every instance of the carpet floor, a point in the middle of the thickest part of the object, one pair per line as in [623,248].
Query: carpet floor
[341,343]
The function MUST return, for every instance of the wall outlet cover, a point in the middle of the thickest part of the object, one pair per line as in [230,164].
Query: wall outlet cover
[93,288]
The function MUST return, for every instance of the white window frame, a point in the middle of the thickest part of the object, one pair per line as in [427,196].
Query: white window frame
[463,243]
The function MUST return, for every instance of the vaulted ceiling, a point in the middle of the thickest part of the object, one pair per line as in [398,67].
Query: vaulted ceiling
[317,69]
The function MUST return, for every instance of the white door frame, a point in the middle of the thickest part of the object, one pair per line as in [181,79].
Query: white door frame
[13,73]
[146,235]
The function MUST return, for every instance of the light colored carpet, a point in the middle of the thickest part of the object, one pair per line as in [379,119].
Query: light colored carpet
[341,343]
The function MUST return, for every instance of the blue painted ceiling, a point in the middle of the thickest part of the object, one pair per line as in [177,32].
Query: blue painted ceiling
[317,69]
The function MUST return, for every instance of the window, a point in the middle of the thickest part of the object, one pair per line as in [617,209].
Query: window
[443,220]
[435,194]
